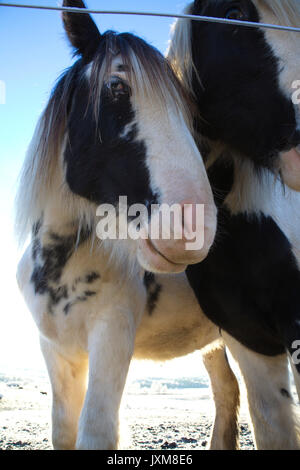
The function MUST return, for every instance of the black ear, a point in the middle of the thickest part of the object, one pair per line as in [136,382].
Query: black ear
[81,30]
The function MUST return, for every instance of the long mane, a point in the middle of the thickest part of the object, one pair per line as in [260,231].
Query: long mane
[180,49]
[148,73]
[287,12]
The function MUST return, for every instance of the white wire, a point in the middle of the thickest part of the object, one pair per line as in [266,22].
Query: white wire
[208,19]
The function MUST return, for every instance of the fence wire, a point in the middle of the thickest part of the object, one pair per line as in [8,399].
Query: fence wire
[207,19]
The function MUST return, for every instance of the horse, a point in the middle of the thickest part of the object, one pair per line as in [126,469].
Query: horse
[248,124]
[116,124]
[244,81]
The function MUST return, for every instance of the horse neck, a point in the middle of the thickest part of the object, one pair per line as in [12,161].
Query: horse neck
[239,186]
[253,190]
[71,220]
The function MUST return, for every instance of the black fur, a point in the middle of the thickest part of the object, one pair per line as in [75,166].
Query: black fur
[53,257]
[81,30]
[153,291]
[92,277]
[49,261]
[86,279]
[221,178]
[285,393]
[239,98]
[249,285]
[80,298]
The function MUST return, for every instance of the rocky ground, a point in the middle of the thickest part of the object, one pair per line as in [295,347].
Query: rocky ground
[153,421]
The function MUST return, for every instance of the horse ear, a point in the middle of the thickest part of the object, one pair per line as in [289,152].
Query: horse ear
[81,30]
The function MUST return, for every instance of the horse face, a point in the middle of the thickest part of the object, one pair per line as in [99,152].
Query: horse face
[245,94]
[131,144]
[103,157]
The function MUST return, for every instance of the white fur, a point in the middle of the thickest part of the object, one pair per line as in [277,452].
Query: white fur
[275,418]
[264,193]
[106,331]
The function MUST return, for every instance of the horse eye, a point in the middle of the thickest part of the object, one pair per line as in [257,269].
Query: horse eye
[235,14]
[119,88]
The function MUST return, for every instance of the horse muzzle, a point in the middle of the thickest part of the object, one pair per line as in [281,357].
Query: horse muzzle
[189,242]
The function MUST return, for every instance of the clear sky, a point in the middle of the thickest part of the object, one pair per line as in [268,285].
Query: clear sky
[33,52]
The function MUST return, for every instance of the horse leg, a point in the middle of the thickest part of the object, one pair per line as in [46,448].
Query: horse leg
[68,381]
[111,345]
[271,407]
[226,395]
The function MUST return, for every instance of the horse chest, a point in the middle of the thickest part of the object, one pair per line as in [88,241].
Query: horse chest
[249,285]
[67,288]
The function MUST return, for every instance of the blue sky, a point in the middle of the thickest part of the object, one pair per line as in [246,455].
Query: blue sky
[34,51]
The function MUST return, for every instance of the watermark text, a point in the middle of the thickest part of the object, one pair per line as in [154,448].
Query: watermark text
[159,222]
[296,94]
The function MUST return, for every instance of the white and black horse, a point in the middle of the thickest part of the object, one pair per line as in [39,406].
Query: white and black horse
[116,124]
[249,285]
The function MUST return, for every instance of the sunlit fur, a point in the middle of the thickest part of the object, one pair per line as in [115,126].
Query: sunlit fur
[89,299]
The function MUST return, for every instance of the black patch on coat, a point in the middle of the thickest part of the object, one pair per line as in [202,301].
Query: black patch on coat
[221,178]
[239,99]
[89,278]
[79,299]
[285,393]
[89,293]
[53,257]
[203,144]
[100,164]
[153,291]
[249,285]
[92,277]
[49,261]
[37,227]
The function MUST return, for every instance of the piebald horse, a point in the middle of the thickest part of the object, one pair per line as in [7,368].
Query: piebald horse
[248,119]
[116,124]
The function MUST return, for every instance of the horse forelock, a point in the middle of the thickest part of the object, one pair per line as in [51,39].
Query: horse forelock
[179,52]
[147,72]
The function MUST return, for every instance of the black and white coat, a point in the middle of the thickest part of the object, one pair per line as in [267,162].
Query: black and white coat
[93,303]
